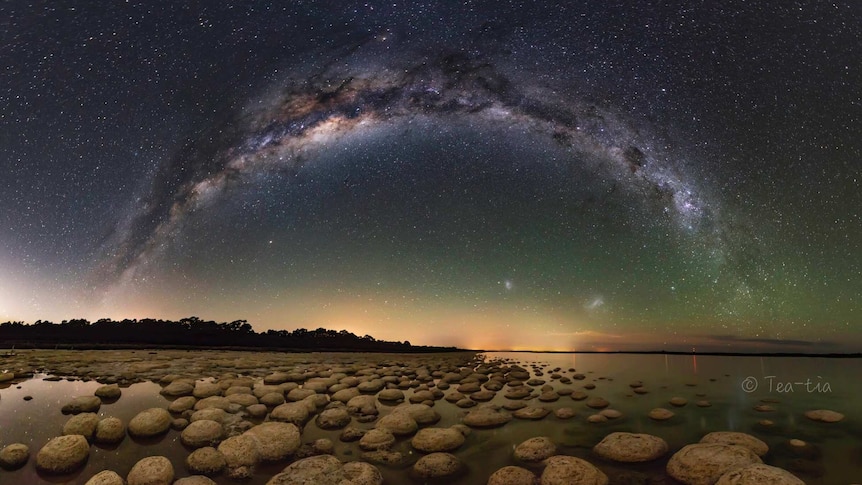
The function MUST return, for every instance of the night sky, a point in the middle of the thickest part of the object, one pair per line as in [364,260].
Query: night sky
[530,175]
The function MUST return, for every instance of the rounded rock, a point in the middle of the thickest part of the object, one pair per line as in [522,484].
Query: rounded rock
[244,400]
[705,463]
[195,480]
[362,404]
[437,465]
[360,473]
[219,402]
[660,414]
[109,392]
[292,412]
[182,404]
[256,410]
[106,477]
[334,418]
[376,439]
[14,456]
[212,414]
[82,404]
[327,470]
[150,422]
[152,470]
[512,475]
[275,441]
[390,395]
[535,449]
[206,461]
[299,394]
[564,413]
[759,474]
[345,395]
[531,412]
[421,413]
[204,390]
[611,413]
[178,388]
[824,416]
[83,424]
[241,455]
[109,431]
[486,417]
[569,470]
[737,438]
[631,447]
[322,469]
[272,399]
[597,403]
[201,433]
[63,454]
[400,424]
[431,440]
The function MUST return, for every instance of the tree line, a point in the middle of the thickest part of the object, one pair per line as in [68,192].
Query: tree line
[190,332]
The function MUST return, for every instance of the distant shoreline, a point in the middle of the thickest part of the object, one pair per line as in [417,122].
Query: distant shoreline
[407,350]
[856,355]
[416,349]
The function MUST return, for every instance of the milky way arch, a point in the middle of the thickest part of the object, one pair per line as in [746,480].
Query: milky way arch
[276,130]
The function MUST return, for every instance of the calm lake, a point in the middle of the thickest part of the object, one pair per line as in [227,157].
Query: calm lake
[733,387]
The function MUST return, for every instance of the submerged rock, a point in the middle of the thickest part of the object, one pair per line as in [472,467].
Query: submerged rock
[569,470]
[705,463]
[737,438]
[399,423]
[486,417]
[437,465]
[376,439]
[759,474]
[512,475]
[82,404]
[535,449]
[532,412]
[824,416]
[431,440]
[631,447]
[564,413]
[660,414]
[327,470]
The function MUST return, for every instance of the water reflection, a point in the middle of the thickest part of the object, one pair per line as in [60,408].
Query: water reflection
[718,380]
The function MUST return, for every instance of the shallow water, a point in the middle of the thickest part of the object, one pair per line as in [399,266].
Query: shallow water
[727,382]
